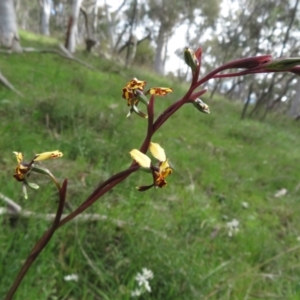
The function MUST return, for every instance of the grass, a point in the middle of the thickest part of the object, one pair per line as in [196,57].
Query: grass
[179,232]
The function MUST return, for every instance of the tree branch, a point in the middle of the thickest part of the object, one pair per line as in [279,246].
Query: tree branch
[13,207]
[7,84]
[65,54]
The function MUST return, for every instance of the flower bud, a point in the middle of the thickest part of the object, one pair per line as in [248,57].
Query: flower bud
[201,106]
[191,59]
[141,97]
[282,64]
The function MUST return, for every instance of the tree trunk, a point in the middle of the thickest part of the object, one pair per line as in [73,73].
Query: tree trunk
[247,102]
[95,14]
[9,37]
[110,26]
[295,103]
[72,26]
[159,59]
[45,13]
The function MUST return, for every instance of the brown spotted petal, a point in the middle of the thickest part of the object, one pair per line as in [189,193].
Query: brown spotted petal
[164,171]
[127,94]
[159,91]
[160,180]
[20,172]
[21,169]
[135,84]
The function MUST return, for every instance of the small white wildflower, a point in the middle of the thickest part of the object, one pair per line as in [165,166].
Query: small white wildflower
[71,277]
[233,227]
[245,204]
[143,283]
[280,193]
[298,238]
[136,293]
[147,273]
[141,279]
[147,287]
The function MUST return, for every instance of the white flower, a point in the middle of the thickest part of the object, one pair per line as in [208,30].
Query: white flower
[136,293]
[280,193]
[147,287]
[71,277]
[143,283]
[141,279]
[245,204]
[147,273]
[233,227]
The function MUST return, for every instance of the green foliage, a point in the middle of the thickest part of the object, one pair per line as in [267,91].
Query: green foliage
[180,231]
[144,54]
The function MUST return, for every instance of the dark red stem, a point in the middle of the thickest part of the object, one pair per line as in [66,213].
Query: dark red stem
[41,244]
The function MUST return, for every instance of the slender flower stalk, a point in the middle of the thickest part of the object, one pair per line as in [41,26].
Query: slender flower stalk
[41,243]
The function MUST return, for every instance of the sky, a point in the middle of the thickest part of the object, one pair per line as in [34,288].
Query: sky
[174,62]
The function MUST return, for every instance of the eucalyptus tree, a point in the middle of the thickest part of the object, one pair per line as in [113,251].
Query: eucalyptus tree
[166,16]
[9,36]
[45,13]
[251,28]
[72,29]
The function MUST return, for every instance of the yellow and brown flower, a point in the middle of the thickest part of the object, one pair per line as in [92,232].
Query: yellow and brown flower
[133,93]
[23,169]
[159,173]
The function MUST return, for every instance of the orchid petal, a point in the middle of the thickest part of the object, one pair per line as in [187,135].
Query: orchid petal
[142,159]
[139,112]
[19,156]
[136,84]
[47,155]
[144,188]
[159,91]
[157,151]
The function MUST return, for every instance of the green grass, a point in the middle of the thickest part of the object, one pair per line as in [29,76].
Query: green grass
[179,232]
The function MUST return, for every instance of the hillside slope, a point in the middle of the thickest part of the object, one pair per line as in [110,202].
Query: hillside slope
[224,170]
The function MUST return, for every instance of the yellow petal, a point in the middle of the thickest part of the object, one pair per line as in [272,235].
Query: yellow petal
[157,151]
[19,157]
[47,155]
[164,165]
[142,159]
